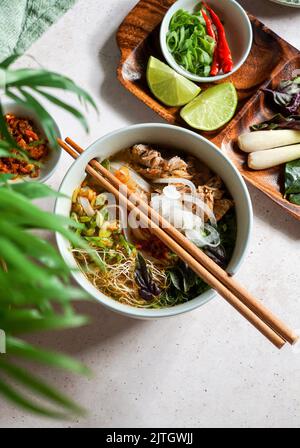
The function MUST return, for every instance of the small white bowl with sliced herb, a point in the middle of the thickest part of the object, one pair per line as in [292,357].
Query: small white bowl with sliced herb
[206,42]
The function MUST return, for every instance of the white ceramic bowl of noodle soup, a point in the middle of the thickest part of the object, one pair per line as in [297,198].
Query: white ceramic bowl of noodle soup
[177,138]
[238,32]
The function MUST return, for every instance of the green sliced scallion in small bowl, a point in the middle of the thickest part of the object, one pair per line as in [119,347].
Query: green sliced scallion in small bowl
[189,43]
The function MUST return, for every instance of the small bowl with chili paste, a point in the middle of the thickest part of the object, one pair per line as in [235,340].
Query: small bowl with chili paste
[206,41]
[24,126]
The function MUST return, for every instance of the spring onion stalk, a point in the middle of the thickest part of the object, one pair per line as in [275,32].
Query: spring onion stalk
[86,205]
[261,140]
[209,238]
[189,43]
[261,160]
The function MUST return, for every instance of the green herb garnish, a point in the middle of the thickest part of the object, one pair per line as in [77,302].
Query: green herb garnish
[189,43]
[292,181]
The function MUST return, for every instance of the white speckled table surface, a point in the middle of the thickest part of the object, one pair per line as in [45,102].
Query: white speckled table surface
[208,368]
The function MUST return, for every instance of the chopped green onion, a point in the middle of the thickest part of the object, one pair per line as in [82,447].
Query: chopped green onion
[189,43]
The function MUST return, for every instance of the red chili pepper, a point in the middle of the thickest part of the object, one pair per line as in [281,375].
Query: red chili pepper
[215,66]
[224,53]
[209,27]
[210,31]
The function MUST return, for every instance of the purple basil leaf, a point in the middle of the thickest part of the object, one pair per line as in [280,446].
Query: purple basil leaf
[217,254]
[278,122]
[146,295]
[147,287]
[280,98]
[139,280]
[155,289]
[286,96]
[294,104]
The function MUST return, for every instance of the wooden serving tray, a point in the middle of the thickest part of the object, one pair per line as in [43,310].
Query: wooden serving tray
[271,59]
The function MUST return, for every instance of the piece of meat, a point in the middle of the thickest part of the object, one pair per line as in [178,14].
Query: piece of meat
[3,167]
[207,196]
[215,192]
[36,152]
[199,173]
[150,164]
[221,207]
[213,198]
[176,164]
[215,182]
[146,156]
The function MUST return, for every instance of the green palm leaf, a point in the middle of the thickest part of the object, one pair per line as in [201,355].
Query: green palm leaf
[9,142]
[37,81]
[17,398]
[33,190]
[43,78]
[17,347]
[4,152]
[4,178]
[4,149]
[29,324]
[4,131]
[8,61]
[33,246]
[48,122]
[15,259]
[40,388]
[19,291]
[76,113]
[33,277]
[12,202]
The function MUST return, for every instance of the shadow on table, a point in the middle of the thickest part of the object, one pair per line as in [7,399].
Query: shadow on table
[113,93]
[104,325]
[275,216]
[266,8]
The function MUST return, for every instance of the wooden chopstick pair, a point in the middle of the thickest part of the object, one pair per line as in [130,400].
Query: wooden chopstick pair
[247,305]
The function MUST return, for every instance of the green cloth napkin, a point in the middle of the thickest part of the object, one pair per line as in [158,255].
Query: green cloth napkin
[24,21]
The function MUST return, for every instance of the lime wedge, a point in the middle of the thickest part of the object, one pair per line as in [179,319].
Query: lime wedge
[212,109]
[168,86]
